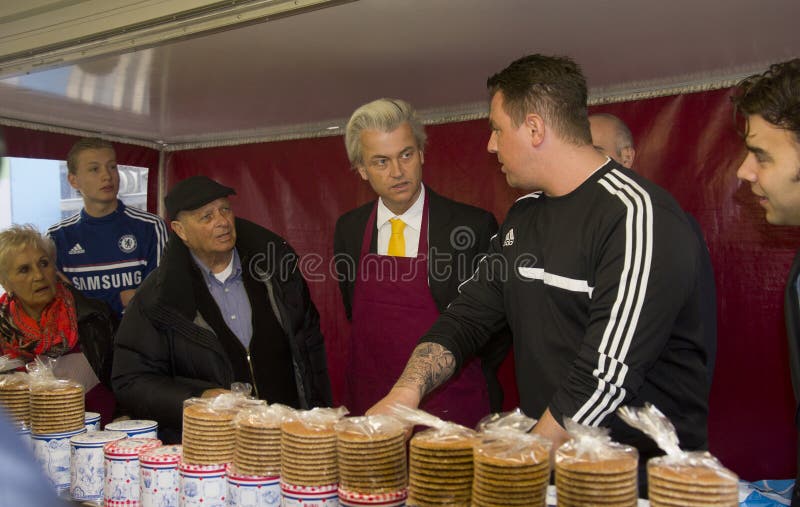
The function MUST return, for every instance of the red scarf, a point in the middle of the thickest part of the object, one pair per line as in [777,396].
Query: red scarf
[55,334]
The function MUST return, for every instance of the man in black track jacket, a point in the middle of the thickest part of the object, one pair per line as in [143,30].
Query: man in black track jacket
[613,138]
[588,270]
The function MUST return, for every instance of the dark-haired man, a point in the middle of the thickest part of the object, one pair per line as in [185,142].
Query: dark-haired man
[613,138]
[603,309]
[107,249]
[770,104]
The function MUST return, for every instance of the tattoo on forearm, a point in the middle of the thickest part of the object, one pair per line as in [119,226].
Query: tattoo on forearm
[429,367]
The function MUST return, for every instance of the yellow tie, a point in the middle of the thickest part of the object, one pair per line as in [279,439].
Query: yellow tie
[397,242]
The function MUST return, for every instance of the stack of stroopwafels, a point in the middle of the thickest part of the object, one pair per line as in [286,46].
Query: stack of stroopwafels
[511,470]
[699,480]
[15,396]
[441,468]
[308,454]
[372,455]
[604,478]
[56,407]
[258,443]
[209,436]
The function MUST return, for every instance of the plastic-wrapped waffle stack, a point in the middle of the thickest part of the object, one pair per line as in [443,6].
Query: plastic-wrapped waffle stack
[16,398]
[308,453]
[591,469]
[441,466]
[511,468]
[697,479]
[56,406]
[680,478]
[209,436]
[372,455]
[258,440]
[607,480]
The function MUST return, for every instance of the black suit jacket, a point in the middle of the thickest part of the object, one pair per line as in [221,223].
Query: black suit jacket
[458,236]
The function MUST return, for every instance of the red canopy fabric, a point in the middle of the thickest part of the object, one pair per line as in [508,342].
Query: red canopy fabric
[686,143]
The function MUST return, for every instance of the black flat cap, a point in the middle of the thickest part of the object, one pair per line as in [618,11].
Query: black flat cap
[192,193]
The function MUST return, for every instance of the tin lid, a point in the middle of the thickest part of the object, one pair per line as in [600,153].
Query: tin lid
[130,446]
[163,454]
[374,497]
[91,416]
[324,489]
[63,434]
[96,438]
[209,469]
[132,424]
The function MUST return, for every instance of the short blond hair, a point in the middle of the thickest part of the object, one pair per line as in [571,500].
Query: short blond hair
[16,238]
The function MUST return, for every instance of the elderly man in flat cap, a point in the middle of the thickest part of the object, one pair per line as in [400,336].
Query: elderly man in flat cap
[227,304]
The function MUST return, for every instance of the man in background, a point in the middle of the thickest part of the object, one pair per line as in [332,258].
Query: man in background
[107,249]
[400,261]
[770,105]
[613,138]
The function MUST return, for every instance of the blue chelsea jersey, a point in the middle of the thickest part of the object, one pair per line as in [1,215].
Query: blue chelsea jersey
[104,256]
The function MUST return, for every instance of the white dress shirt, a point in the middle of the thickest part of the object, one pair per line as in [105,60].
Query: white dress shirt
[412,218]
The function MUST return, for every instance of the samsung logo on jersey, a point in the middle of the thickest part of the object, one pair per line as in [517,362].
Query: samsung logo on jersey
[114,281]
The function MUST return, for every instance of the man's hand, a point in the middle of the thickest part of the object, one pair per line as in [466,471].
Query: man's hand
[212,393]
[125,296]
[429,367]
[405,396]
[549,428]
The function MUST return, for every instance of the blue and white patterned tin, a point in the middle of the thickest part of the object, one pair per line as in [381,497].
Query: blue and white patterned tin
[25,435]
[202,486]
[159,481]
[121,486]
[52,452]
[135,428]
[92,421]
[310,496]
[87,470]
[253,491]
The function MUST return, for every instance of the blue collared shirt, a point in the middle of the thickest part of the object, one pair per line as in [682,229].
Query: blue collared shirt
[231,298]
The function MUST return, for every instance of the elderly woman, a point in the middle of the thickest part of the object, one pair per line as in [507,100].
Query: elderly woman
[41,316]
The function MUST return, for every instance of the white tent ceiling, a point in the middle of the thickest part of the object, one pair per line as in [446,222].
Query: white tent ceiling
[302,75]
